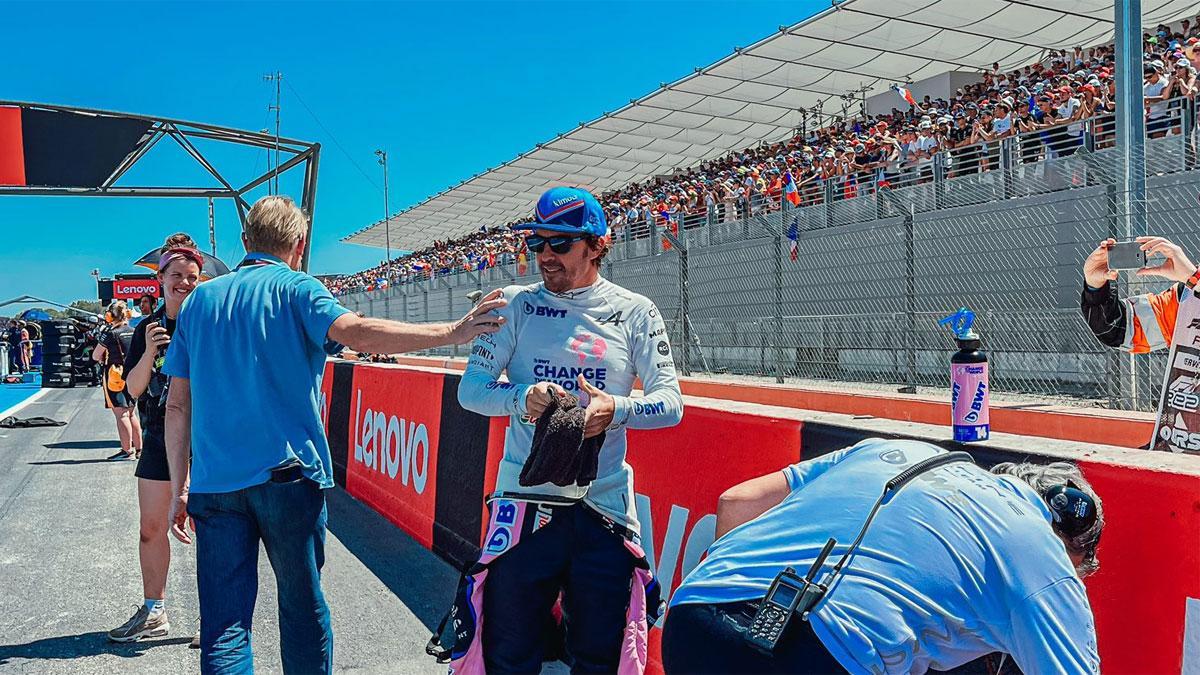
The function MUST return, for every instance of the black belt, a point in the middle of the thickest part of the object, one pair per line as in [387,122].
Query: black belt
[287,474]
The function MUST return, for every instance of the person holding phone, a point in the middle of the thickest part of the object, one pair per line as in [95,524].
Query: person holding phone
[179,273]
[1125,324]
[1149,322]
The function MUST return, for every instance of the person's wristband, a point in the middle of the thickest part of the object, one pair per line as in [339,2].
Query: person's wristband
[1193,280]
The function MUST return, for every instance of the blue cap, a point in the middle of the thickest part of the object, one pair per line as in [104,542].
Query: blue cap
[568,210]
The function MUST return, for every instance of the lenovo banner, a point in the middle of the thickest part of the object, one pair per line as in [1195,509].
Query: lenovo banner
[394,430]
[132,289]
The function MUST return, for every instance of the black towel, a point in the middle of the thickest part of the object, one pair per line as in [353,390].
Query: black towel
[559,453]
[11,422]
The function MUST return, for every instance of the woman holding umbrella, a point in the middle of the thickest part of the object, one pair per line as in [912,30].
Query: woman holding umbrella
[179,271]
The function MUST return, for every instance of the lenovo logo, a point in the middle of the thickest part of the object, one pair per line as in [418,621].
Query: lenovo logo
[391,445]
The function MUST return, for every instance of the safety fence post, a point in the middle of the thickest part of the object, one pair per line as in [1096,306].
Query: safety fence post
[777,237]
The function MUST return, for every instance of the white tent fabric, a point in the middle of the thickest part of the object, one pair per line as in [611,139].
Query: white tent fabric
[754,95]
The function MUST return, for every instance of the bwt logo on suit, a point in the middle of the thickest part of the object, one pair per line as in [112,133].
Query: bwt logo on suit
[391,445]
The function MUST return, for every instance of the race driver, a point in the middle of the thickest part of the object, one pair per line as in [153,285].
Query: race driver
[574,332]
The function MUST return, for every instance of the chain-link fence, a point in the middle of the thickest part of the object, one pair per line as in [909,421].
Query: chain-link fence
[849,290]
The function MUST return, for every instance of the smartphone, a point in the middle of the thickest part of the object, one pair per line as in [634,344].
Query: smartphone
[1126,255]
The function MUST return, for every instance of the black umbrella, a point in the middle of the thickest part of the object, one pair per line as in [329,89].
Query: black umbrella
[213,267]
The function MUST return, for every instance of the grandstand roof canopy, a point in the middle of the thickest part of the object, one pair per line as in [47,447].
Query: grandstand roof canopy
[754,94]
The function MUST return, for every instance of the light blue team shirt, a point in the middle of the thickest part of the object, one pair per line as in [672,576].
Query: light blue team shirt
[253,345]
[959,564]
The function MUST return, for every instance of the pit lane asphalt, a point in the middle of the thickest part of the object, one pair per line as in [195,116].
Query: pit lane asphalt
[69,567]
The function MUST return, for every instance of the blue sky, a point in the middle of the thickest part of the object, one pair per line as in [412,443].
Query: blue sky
[447,88]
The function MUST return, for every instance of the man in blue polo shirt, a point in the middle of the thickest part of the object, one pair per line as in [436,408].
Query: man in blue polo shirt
[246,361]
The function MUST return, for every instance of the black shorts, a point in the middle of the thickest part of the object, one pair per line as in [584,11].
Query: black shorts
[116,399]
[153,463]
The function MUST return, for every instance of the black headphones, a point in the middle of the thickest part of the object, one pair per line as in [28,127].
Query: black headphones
[1073,509]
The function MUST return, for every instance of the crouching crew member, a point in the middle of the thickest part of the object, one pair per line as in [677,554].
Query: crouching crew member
[953,564]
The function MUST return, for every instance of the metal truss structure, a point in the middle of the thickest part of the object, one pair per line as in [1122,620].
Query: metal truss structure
[183,133]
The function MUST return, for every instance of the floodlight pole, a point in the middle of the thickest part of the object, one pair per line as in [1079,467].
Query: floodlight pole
[1131,116]
[277,78]
[387,214]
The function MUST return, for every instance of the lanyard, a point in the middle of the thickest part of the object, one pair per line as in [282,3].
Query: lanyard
[256,259]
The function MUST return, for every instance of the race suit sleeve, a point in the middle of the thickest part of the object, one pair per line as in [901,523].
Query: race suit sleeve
[661,404]
[480,389]
[1140,324]
[1052,631]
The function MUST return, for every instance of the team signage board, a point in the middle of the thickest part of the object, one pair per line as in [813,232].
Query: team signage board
[1177,427]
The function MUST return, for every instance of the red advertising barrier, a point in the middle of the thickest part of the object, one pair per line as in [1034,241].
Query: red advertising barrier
[1150,563]
[1149,566]
[394,427]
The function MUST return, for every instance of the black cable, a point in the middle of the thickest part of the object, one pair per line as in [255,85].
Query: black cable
[332,137]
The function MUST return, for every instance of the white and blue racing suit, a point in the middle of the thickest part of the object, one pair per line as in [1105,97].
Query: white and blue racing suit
[607,334]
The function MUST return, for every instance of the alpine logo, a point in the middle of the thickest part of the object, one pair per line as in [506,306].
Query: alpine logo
[538,310]
[391,445]
[614,318]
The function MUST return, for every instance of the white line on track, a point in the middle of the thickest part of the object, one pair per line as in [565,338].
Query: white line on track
[14,409]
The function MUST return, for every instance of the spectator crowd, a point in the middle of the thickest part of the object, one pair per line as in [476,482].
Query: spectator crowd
[1044,103]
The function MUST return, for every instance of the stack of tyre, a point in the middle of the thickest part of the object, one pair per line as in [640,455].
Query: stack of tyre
[61,342]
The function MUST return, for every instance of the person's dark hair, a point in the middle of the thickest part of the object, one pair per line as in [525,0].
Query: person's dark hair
[179,240]
[147,296]
[1043,477]
[601,244]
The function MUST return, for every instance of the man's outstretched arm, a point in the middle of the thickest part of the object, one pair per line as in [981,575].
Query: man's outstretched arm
[381,336]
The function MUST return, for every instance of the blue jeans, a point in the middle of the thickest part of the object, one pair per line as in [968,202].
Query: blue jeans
[289,519]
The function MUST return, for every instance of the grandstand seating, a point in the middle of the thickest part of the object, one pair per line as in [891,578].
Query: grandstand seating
[1048,109]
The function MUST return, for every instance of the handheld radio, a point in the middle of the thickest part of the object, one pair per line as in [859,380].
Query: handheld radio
[790,594]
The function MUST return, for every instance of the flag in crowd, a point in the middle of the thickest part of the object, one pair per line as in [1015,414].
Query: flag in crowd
[789,189]
[793,235]
[905,94]
[522,263]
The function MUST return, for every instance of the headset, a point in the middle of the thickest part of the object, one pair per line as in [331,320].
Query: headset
[1074,510]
